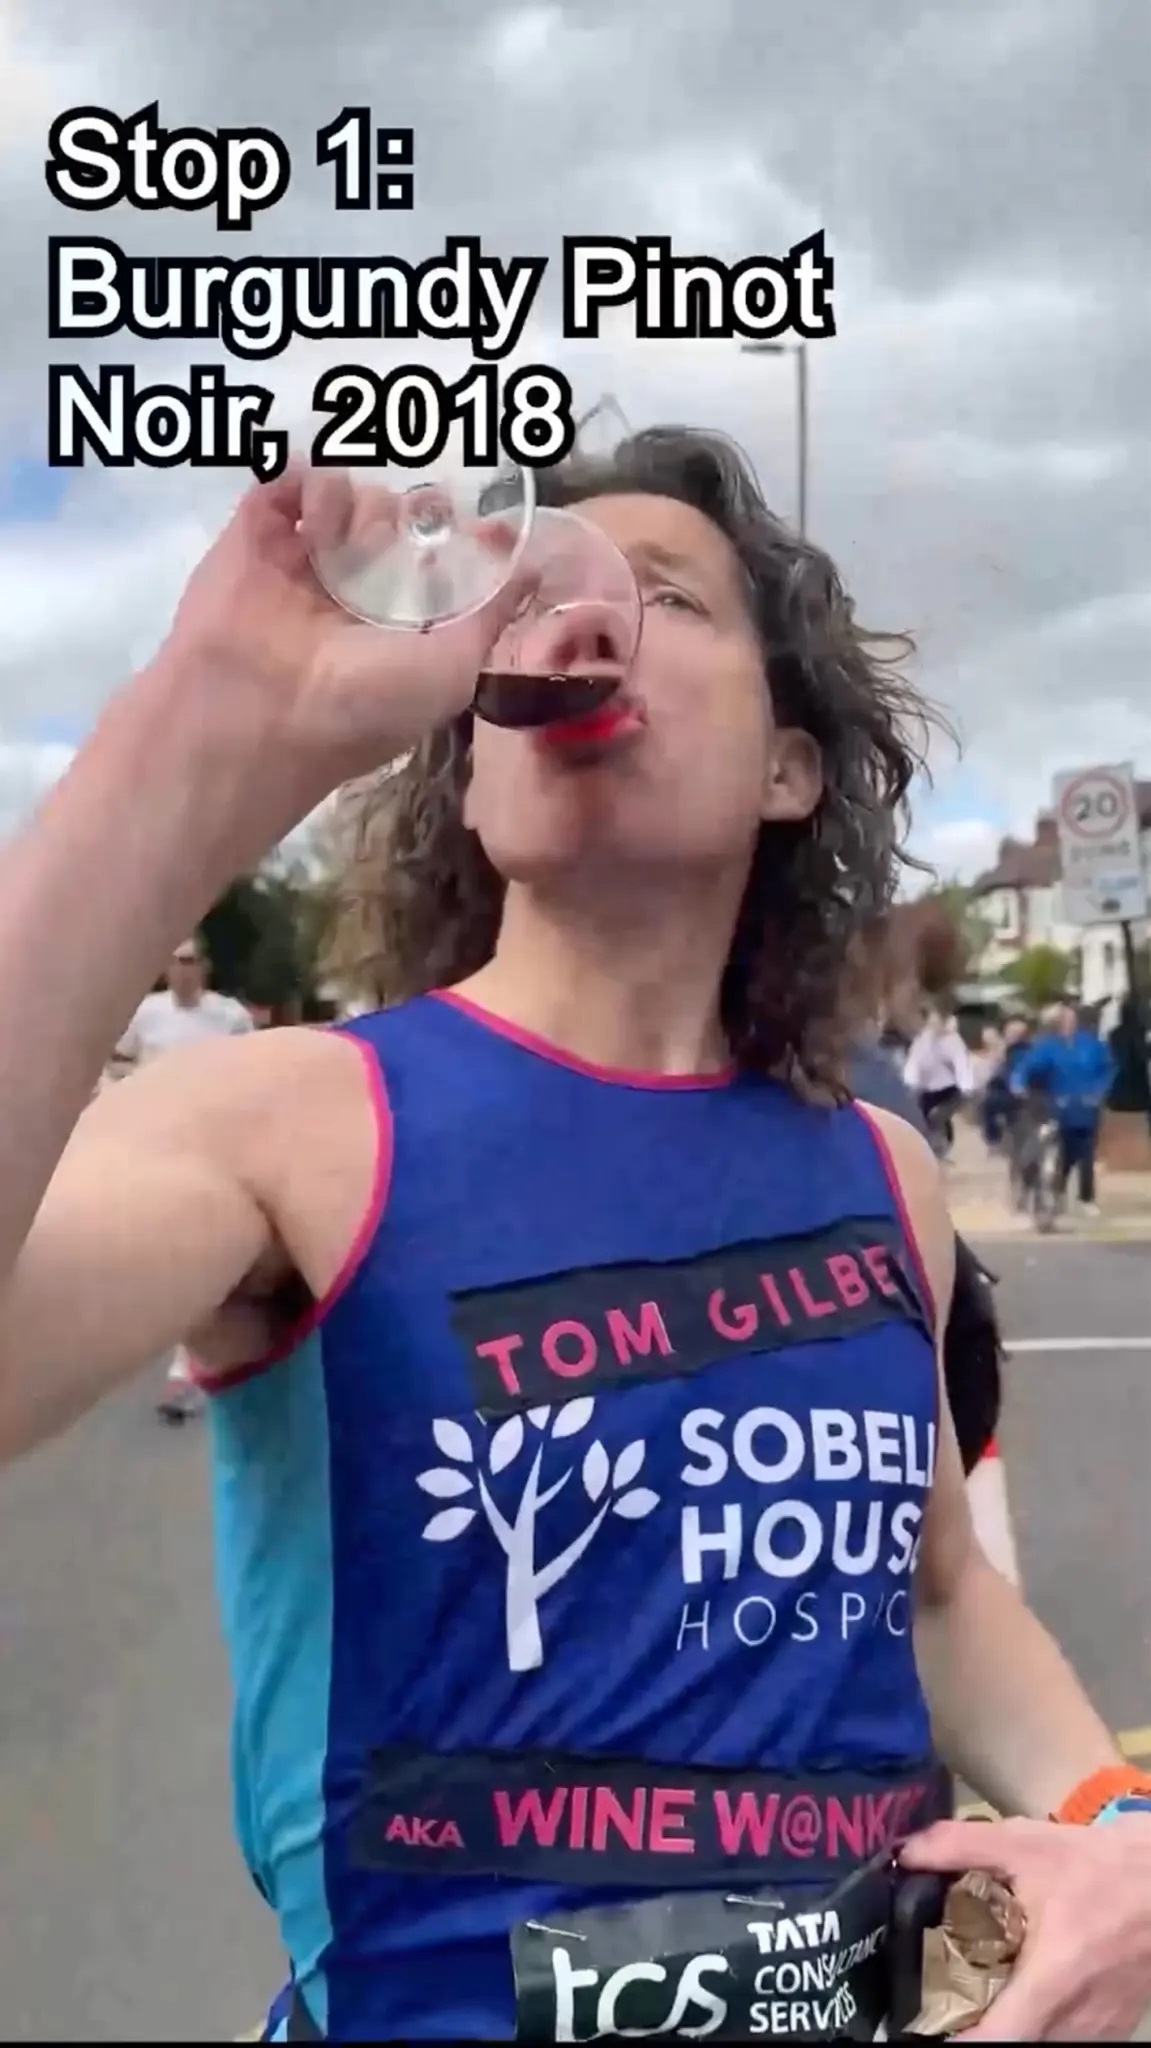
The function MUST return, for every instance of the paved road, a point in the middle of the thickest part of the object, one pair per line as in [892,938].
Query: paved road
[1076,1439]
[123,1911]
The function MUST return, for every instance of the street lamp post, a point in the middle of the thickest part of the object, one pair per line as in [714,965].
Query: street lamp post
[607,414]
[799,351]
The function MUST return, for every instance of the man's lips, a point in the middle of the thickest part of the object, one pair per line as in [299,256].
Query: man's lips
[618,719]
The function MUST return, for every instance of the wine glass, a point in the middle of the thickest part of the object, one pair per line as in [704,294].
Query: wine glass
[409,550]
[408,547]
[567,653]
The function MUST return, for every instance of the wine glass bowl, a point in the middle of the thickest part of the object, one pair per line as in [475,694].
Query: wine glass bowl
[412,549]
[568,651]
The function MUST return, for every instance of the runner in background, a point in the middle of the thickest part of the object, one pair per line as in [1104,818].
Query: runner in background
[184,1012]
[1075,1069]
[939,1071]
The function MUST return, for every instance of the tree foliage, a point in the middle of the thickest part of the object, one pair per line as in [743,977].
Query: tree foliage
[264,937]
[1041,975]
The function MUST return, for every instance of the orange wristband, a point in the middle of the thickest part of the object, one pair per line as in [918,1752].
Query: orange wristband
[1086,1802]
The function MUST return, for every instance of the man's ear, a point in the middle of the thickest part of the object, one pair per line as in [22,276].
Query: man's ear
[793,783]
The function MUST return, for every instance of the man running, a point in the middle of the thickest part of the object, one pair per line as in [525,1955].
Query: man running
[578,1432]
[184,1012]
[939,1070]
[1073,1069]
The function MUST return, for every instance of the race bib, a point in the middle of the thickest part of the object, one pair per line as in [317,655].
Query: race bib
[724,1965]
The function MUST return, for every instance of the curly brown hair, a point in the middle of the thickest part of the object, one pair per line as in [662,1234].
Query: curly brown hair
[420,903]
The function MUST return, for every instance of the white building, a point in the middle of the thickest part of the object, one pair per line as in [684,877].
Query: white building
[1020,899]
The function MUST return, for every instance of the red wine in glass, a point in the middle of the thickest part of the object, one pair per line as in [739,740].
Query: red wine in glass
[410,550]
[567,653]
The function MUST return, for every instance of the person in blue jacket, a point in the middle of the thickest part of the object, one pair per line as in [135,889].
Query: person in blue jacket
[1075,1069]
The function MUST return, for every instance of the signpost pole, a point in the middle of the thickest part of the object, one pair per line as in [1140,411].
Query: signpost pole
[1104,878]
[1137,997]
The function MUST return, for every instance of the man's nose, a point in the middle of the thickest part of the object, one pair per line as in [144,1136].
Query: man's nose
[583,639]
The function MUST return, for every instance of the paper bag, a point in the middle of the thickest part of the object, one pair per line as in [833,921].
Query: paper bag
[969,1957]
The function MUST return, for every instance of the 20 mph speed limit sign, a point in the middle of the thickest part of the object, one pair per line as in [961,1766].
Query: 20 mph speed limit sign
[1103,874]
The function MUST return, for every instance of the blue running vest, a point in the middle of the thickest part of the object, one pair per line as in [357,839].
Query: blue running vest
[611,1442]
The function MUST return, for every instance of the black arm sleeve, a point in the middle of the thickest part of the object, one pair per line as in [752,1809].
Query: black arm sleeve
[972,1357]
[972,1345]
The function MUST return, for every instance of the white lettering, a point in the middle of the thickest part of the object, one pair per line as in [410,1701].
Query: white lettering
[835,1444]
[693,1991]
[905,1524]
[917,1475]
[803,1931]
[769,1445]
[629,1973]
[855,1564]
[693,1436]
[685,1626]
[567,1983]
[766,1625]
[768,1559]
[805,1610]
[904,1607]
[790,1459]
[852,1609]
[694,1545]
[884,1442]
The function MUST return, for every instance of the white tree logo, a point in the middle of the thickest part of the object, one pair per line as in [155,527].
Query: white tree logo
[610,1489]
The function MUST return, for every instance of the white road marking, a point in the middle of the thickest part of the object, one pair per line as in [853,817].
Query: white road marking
[1080,1344]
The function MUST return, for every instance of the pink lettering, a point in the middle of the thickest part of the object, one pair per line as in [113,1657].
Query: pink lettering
[874,1257]
[807,1302]
[841,1828]
[529,1815]
[418,1833]
[844,1270]
[906,1801]
[499,1350]
[749,1818]
[569,1368]
[877,1808]
[628,1342]
[577,1832]
[737,1323]
[610,1812]
[667,1825]
[778,1306]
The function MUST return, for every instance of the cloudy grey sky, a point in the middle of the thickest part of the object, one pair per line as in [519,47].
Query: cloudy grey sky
[981,453]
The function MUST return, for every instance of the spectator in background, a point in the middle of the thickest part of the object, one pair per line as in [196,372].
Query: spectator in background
[1072,1067]
[1003,1103]
[938,1072]
[182,1012]
[985,1065]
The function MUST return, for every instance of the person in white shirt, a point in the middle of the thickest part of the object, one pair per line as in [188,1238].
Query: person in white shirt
[181,1014]
[184,1012]
[939,1072]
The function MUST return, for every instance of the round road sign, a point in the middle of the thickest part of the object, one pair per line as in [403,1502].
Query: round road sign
[1095,806]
